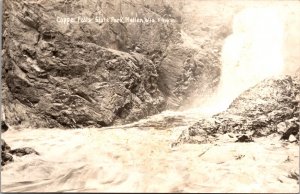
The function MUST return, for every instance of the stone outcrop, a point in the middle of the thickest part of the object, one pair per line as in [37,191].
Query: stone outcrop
[5,155]
[4,127]
[272,106]
[53,78]
[82,74]
[80,85]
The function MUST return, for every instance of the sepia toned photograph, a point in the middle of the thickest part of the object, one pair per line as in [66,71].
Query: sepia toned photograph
[150,96]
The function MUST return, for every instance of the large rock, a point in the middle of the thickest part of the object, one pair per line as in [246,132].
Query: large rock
[72,75]
[4,127]
[5,155]
[23,151]
[72,84]
[256,112]
[77,74]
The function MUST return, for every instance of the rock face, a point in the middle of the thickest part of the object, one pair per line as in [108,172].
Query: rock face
[71,92]
[53,79]
[84,73]
[79,74]
[272,106]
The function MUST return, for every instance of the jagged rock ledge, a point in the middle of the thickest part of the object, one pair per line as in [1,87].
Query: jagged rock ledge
[272,106]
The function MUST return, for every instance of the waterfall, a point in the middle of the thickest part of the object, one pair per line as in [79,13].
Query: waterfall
[252,52]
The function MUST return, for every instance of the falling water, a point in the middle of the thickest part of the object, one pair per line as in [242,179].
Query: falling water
[250,54]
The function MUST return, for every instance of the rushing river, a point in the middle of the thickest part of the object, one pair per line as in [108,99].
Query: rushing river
[139,158]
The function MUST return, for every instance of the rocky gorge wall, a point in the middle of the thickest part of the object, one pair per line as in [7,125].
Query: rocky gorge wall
[94,74]
[82,74]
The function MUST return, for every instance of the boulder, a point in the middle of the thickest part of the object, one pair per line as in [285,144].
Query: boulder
[6,158]
[23,151]
[4,146]
[244,138]
[292,138]
[5,155]
[291,132]
[267,108]
[4,127]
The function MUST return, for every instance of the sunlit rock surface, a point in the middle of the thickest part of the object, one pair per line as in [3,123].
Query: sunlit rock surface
[256,112]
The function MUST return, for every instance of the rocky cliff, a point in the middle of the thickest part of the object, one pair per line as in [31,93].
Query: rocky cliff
[59,73]
[62,73]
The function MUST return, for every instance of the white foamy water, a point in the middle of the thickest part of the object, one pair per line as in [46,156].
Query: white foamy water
[139,158]
[253,52]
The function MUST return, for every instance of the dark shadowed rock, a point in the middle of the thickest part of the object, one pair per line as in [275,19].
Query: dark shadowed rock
[5,158]
[4,146]
[292,130]
[23,151]
[4,127]
[244,138]
[5,155]
[259,111]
